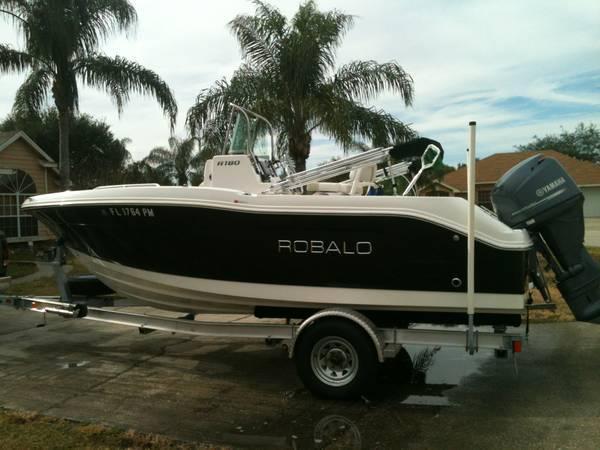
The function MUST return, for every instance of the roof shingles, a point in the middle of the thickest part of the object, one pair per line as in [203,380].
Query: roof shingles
[490,169]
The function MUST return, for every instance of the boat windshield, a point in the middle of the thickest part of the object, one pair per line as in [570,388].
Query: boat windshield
[262,146]
[250,134]
[239,137]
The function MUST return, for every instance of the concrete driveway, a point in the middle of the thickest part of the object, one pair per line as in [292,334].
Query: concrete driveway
[243,394]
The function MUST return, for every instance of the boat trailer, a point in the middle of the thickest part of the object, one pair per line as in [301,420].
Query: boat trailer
[337,351]
[387,340]
[326,346]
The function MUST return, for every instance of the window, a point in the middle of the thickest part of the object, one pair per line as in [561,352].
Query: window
[484,198]
[15,187]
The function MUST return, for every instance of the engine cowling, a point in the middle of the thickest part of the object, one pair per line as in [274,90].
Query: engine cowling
[539,195]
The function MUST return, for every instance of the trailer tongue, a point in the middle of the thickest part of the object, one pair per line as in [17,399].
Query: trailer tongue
[540,196]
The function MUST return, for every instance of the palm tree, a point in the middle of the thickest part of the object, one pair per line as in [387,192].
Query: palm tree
[143,172]
[180,162]
[61,40]
[288,74]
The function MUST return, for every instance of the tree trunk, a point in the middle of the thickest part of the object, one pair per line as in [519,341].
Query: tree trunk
[299,148]
[182,179]
[64,126]
[300,164]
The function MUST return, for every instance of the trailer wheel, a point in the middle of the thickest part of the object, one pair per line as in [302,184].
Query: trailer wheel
[336,358]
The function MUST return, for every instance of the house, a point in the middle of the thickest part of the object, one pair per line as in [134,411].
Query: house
[585,173]
[25,170]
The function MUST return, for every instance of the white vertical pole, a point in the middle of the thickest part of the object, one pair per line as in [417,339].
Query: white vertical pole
[471,238]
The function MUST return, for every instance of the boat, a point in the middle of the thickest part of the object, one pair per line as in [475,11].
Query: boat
[257,238]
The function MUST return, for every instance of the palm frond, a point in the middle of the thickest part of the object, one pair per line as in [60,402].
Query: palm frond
[183,158]
[185,148]
[259,35]
[20,7]
[199,158]
[33,93]
[314,40]
[175,163]
[109,15]
[211,136]
[209,107]
[271,16]
[13,60]
[247,87]
[363,80]
[98,19]
[16,10]
[159,156]
[346,121]
[120,77]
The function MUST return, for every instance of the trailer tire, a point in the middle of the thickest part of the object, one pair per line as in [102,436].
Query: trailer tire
[335,358]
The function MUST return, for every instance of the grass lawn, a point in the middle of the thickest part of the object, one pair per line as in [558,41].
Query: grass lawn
[25,430]
[562,312]
[41,286]
[17,269]
[595,253]
[23,252]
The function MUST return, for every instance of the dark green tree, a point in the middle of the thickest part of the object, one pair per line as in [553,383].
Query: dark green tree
[61,43]
[429,177]
[180,162]
[99,156]
[582,143]
[142,172]
[289,75]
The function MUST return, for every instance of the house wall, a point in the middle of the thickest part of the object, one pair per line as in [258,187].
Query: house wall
[436,190]
[484,194]
[591,205]
[20,155]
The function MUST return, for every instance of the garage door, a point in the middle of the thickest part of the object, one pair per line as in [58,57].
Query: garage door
[591,205]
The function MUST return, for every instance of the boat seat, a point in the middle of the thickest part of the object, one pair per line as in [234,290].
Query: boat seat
[359,179]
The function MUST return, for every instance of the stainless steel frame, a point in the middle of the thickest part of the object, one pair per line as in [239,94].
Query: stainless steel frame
[330,170]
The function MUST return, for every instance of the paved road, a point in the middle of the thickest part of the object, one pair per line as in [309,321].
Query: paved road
[244,394]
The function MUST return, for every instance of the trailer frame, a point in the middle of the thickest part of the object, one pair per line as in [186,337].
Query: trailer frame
[387,341]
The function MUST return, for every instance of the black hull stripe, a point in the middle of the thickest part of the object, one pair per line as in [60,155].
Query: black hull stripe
[368,251]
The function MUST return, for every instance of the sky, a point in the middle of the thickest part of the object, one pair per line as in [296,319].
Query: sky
[519,68]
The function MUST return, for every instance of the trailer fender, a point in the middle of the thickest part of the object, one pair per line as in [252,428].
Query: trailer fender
[345,314]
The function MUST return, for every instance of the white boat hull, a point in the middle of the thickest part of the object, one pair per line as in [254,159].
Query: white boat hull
[198,295]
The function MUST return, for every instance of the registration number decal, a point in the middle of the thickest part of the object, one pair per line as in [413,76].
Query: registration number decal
[128,211]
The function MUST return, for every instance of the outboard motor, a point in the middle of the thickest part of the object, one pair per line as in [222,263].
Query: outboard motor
[540,196]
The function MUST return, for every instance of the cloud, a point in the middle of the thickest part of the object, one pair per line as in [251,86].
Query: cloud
[518,68]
